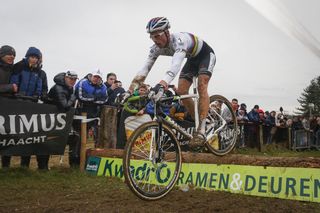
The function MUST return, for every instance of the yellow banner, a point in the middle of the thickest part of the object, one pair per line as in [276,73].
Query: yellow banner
[279,182]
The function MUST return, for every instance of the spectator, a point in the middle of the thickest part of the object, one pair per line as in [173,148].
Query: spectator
[313,122]
[242,118]
[316,131]
[62,95]
[149,107]
[92,94]
[289,123]
[111,78]
[242,115]
[88,76]
[297,123]
[254,117]
[226,113]
[271,126]
[281,118]
[235,105]
[313,130]
[7,56]
[142,90]
[306,123]
[117,91]
[27,75]
[261,116]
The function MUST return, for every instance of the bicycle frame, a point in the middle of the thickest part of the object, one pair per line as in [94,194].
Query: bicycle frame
[160,117]
[174,125]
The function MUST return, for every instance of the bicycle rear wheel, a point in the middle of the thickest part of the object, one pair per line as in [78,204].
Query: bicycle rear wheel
[221,128]
[152,161]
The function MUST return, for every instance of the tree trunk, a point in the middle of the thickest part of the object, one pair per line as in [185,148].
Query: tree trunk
[108,127]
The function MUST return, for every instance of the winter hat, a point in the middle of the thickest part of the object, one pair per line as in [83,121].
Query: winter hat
[243,106]
[7,50]
[32,51]
[71,74]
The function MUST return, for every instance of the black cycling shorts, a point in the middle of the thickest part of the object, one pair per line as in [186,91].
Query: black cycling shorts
[203,63]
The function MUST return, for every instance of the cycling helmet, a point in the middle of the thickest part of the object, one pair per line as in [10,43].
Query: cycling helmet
[158,23]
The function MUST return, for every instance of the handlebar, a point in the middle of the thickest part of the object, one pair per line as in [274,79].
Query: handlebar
[127,104]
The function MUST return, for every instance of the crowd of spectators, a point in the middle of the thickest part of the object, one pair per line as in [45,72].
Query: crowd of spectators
[26,78]
[272,122]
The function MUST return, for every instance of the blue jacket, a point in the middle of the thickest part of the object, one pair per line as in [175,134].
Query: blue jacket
[270,121]
[87,92]
[28,79]
[150,109]
[253,116]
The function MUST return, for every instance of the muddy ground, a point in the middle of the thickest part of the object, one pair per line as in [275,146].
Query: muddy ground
[61,190]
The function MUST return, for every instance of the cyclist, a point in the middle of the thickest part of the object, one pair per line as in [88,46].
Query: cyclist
[200,62]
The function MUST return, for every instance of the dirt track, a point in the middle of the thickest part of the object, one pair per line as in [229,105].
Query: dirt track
[100,194]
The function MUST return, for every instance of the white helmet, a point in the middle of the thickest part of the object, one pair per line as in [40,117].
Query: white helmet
[158,23]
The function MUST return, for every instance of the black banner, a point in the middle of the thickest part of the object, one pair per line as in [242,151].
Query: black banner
[28,128]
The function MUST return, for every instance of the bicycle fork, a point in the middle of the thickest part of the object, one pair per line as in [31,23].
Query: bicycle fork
[196,102]
[211,133]
[156,154]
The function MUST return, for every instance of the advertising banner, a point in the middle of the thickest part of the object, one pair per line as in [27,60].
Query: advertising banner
[279,182]
[28,128]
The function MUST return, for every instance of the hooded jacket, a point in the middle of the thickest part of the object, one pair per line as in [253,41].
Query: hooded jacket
[28,79]
[254,116]
[89,93]
[60,94]
[5,74]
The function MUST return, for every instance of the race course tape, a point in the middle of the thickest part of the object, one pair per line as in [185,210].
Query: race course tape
[278,182]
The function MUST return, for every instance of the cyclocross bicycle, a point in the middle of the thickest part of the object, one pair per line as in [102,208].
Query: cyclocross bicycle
[152,158]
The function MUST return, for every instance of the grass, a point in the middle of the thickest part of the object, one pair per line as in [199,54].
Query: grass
[65,177]
[60,189]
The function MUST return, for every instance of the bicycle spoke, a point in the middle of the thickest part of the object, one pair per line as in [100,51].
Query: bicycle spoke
[221,123]
[145,182]
[141,156]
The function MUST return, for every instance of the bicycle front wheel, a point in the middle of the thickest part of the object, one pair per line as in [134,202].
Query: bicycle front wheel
[152,161]
[221,127]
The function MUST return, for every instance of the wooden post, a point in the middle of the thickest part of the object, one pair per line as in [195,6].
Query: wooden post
[261,147]
[289,138]
[108,127]
[83,142]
